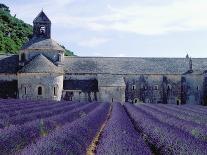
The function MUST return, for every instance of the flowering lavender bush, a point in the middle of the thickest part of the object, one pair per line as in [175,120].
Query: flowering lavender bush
[120,137]
[17,137]
[180,114]
[196,130]
[73,138]
[42,107]
[21,119]
[165,138]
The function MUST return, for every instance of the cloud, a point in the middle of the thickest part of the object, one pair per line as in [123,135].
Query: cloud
[175,16]
[93,42]
[146,18]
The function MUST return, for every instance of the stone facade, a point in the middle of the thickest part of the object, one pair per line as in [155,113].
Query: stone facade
[51,86]
[42,72]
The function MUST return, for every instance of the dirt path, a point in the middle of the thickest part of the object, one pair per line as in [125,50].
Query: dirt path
[92,148]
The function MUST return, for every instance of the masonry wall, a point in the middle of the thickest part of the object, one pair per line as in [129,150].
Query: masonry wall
[111,94]
[153,88]
[47,81]
[193,88]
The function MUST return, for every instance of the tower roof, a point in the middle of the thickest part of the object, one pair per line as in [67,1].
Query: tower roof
[41,18]
[40,64]
[42,44]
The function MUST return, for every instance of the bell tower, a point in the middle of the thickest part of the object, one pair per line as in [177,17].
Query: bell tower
[42,26]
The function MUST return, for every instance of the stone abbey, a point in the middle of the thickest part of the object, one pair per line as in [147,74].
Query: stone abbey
[42,72]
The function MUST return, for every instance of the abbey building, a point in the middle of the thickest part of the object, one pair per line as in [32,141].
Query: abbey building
[42,72]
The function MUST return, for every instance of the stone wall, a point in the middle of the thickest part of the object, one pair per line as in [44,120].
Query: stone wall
[111,94]
[153,88]
[193,87]
[47,81]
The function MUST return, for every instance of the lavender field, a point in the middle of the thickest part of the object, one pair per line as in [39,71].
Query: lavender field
[59,128]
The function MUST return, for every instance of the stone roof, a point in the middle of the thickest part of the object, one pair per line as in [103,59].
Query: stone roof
[41,18]
[40,64]
[131,65]
[9,63]
[42,44]
[109,80]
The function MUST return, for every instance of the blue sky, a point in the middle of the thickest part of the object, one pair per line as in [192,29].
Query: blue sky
[134,28]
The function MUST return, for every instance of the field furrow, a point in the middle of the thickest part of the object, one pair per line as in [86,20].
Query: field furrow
[165,138]
[73,138]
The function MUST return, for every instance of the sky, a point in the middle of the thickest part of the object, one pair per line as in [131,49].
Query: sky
[123,28]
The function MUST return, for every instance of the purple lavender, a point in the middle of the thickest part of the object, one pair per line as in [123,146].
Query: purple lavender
[73,138]
[120,137]
[196,130]
[165,138]
[14,138]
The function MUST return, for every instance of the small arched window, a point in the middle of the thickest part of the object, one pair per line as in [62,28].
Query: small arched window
[39,90]
[25,90]
[23,57]
[42,29]
[55,91]
[169,87]
[156,87]
[59,57]
[133,87]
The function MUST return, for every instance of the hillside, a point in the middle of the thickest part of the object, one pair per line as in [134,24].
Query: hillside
[14,32]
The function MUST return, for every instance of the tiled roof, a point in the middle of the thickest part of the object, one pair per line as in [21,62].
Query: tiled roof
[9,63]
[131,65]
[41,17]
[42,44]
[40,64]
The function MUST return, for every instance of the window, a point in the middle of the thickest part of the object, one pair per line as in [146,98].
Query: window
[25,90]
[55,91]
[136,100]
[42,29]
[39,91]
[155,87]
[133,87]
[23,57]
[59,57]
[169,87]
[197,87]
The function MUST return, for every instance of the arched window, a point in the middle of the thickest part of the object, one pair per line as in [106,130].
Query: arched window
[169,87]
[133,87]
[59,57]
[23,57]
[25,90]
[55,91]
[156,87]
[39,90]
[42,29]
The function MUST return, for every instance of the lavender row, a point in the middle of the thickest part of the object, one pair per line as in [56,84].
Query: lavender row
[21,106]
[180,115]
[185,110]
[73,138]
[196,130]
[15,138]
[21,119]
[200,110]
[31,110]
[10,103]
[165,138]
[197,107]
[120,137]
